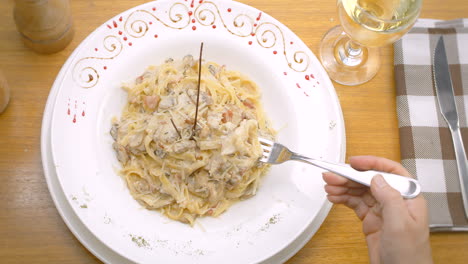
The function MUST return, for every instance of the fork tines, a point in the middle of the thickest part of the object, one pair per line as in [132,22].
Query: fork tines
[267,146]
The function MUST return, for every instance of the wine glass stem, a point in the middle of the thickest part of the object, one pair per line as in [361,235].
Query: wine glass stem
[349,53]
[353,49]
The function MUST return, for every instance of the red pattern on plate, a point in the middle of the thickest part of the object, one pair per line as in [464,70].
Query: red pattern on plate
[76,110]
[255,30]
[259,16]
[83,112]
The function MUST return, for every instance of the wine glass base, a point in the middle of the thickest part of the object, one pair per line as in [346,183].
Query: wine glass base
[345,67]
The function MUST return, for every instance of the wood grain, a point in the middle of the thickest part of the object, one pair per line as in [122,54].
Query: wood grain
[4,92]
[31,230]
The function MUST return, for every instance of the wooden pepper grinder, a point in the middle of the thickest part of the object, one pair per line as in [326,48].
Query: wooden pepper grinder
[45,25]
[4,93]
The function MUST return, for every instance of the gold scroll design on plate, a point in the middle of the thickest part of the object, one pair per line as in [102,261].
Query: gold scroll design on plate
[207,12]
[87,76]
[267,35]
[136,25]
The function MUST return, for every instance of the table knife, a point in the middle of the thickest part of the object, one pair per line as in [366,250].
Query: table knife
[448,108]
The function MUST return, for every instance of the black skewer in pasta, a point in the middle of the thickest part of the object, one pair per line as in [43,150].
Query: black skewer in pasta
[176,129]
[198,90]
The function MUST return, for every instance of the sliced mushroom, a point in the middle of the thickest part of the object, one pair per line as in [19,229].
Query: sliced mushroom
[167,102]
[213,70]
[197,183]
[136,139]
[160,153]
[216,190]
[165,133]
[122,154]
[136,144]
[216,165]
[114,131]
[205,98]
[141,186]
[187,61]
[183,146]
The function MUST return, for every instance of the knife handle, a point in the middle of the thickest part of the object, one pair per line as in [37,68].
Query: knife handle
[462,166]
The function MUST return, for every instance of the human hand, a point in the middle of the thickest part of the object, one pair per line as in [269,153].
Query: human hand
[396,229]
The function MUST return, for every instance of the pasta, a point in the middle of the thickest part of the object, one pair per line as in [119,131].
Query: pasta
[182,172]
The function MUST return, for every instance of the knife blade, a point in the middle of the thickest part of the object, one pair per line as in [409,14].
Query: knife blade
[448,108]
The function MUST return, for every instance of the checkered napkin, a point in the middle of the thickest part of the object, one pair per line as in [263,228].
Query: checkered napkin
[425,140]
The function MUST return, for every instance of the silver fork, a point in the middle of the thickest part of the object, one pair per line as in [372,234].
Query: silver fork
[275,153]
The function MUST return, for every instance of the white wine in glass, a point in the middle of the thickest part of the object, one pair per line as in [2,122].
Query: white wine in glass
[350,52]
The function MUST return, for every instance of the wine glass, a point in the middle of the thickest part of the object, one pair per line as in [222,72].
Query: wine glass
[350,52]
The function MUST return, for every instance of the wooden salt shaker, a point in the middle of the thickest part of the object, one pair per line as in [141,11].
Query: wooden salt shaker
[4,93]
[45,25]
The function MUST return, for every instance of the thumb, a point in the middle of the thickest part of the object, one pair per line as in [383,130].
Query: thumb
[391,202]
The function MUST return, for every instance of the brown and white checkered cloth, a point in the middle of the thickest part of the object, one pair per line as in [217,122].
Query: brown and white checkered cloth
[425,140]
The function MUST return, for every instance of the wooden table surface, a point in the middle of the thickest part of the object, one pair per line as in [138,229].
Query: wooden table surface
[32,231]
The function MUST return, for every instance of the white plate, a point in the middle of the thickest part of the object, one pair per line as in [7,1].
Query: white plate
[96,247]
[80,231]
[291,197]
[100,250]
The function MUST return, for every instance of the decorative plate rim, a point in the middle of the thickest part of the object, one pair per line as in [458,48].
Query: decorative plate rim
[321,71]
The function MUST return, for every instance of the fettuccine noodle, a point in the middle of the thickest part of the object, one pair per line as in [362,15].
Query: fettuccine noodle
[184,173]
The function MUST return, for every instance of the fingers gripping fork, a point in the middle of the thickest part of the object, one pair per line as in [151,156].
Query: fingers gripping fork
[275,153]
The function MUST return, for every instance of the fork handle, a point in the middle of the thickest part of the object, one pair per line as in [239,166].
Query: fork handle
[408,187]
